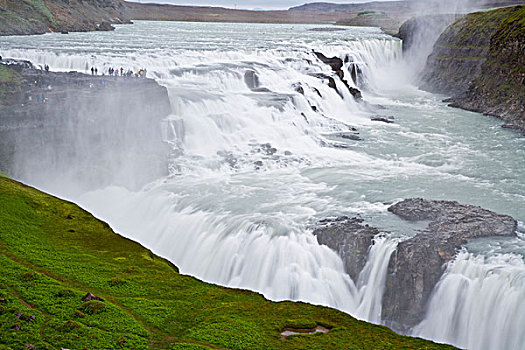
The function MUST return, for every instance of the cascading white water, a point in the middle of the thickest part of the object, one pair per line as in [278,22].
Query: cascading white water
[479,304]
[253,169]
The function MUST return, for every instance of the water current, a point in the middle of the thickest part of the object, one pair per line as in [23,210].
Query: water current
[252,170]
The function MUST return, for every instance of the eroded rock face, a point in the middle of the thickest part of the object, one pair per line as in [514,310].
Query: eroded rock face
[350,238]
[478,61]
[420,261]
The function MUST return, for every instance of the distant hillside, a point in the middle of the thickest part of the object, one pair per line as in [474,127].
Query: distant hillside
[23,17]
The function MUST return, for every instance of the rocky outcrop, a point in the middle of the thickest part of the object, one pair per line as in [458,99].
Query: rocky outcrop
[42,16]
[479,62]
[499,89]
[420,261]
[60,129]
[350,238]
[337,64]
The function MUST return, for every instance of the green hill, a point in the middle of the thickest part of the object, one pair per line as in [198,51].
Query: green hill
[52,253]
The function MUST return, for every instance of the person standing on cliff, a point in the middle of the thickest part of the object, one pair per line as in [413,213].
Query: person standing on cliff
[92,71]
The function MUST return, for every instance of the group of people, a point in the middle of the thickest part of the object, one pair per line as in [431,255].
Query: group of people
[112,72]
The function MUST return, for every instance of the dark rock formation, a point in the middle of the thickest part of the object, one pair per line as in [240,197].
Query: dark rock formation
[69,128]
[382,118]
[479,61]
[251,79]
[420,261]
[349,238]
[337,64]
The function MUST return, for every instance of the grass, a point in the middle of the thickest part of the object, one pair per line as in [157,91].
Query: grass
[52,253]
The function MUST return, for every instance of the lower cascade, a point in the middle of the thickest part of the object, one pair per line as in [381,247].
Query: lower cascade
[268,145]
[478,304]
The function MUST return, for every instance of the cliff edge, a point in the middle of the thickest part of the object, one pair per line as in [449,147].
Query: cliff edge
[479,61]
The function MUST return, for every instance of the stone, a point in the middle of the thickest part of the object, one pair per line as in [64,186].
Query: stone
[251,79]
[89,297]
[349,238]
[382,118]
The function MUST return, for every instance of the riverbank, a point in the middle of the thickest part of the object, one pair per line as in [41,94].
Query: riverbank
[479,62]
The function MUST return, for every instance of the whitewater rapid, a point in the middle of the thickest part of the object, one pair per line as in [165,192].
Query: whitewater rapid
[253,170]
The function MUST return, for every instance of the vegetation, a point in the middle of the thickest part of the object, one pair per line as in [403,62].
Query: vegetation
[501,84]
[52,253]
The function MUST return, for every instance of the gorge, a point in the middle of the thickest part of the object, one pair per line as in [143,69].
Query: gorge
[250,163]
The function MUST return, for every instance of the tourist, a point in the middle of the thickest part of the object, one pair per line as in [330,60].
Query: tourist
[46,67]
[96,71]
[92,71]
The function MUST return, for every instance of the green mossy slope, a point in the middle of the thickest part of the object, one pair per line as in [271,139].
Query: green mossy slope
[52,253]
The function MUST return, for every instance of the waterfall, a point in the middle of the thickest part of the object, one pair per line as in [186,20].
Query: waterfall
[253,166]
[478,304]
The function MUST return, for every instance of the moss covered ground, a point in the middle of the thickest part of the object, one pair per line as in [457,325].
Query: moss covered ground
[52,253]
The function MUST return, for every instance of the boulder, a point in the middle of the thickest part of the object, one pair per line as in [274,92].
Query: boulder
[251,79]
[382,118]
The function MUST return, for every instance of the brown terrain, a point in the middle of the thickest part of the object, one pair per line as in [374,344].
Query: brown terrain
[23,17]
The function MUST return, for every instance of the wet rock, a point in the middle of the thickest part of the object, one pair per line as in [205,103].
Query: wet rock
[105,26]
[267,149]
[251,79]
[351,137]
[298,88]
[327,29]
[90,297]
[420,261]
[337,64]
[383,118]
[349,238]
[356,93]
